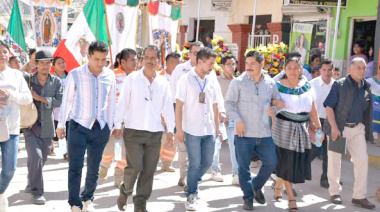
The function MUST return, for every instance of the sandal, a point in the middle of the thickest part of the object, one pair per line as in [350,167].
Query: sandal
[277,198]
[66,156]
[293,209]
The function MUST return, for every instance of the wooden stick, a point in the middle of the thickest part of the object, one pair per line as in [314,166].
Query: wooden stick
[108,32]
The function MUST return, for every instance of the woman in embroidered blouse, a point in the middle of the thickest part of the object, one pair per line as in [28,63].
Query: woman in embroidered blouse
[290,132]
[14,92]
[375,86]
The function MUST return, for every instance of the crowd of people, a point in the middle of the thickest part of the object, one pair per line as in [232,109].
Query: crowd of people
[184,108]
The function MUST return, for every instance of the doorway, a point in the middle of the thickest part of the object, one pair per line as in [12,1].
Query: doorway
[364,32]
[205,27]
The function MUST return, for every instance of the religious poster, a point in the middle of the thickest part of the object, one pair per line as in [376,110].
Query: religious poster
[318,3]
[220,5]
[122,24]
[49,22]
[163,26]
[301,40]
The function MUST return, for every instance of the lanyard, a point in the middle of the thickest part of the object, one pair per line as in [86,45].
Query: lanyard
[204,85]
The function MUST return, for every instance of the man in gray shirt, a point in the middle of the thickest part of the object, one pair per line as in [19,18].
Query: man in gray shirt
[248,105]
[47,94]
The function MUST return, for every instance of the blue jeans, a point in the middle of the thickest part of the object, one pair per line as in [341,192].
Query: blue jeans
[9,150]
[82,139]
[231,137]
[200,150]
[266,150]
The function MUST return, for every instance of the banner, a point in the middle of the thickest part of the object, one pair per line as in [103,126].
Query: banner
[14,36]
[163,26]
[90,25]
[317,3]
[122,24]
[301,40]
[49,22]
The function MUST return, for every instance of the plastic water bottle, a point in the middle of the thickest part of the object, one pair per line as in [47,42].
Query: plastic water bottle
[318,137]
[62,145]
[6,108]
[118,149]
[230,124]
[217,140]
[265,117]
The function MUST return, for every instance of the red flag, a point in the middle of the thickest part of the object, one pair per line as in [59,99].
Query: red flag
[153,7]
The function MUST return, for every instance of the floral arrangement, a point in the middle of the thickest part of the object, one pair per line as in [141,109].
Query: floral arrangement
[221,50]
[274,56]
[185,52]
[219,47]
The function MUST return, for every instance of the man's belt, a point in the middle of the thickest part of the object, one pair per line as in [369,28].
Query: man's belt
[351,125]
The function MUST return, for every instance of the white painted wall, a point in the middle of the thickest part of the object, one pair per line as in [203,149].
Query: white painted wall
[238,13]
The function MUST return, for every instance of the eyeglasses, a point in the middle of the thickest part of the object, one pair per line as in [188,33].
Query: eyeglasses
[231,65]
[150,92]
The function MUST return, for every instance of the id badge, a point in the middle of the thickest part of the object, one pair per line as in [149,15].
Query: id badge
[202,98]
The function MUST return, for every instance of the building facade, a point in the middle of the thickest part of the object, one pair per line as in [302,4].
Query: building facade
[230,19]
[357,23]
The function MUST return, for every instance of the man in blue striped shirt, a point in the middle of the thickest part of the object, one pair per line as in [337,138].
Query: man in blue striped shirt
[88,100]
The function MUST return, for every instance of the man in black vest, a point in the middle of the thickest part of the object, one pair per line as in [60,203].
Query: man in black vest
[349,114]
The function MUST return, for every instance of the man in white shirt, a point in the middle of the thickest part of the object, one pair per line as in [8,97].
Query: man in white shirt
[144,97]
[179,71]
[172,60]
[322,86]
[198,120]
[168,151]
[305,72]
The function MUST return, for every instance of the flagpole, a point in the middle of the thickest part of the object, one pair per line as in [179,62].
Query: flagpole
[108,32]
[198,21]
[336,30]
[253,26]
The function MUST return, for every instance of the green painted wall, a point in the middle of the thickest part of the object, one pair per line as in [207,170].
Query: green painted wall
[355,8]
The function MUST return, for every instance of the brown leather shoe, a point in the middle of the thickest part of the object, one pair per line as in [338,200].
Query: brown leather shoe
[122,202]
[336,199]
[363,203]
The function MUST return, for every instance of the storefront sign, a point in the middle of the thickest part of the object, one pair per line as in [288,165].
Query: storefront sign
[301,40]
[318,3]
[220,5]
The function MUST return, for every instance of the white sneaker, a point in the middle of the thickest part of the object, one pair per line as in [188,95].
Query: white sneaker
[88,206]
[75,209]
[3,203]
[235,179]
[191,204]
[216,176]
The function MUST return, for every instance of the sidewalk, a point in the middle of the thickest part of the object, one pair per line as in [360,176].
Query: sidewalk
[167,196]
[374,154]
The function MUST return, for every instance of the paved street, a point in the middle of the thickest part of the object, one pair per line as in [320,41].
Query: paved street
[167,196]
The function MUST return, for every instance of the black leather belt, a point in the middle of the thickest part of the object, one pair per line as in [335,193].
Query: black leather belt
[351,125]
